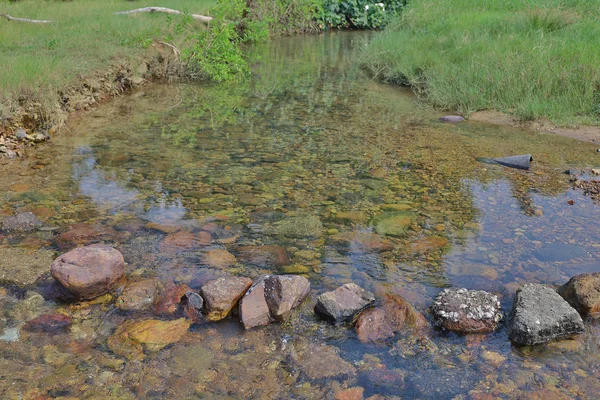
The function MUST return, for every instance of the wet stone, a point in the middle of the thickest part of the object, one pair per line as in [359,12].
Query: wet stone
[467,311]
[284,293]
[254,310]
[361,242]
[301,226]
[170,299]
[582,292]
[193,306]
[321,362]
[83,234]
[138,296]
[90,271]
[19,266]
[219,258]
[344,303]
[53,322]
[393,223]
[222,295]
[540,315]
[22,222]
[353,393]
[269,256]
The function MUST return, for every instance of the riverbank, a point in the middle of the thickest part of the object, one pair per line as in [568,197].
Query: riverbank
[535,61]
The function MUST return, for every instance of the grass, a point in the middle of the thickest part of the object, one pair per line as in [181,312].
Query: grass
[535,59]
[85,38]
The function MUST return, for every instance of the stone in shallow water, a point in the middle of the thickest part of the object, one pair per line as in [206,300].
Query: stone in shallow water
[22,222]
[194,305]
[219,258]
[284,293]
[361,242]
[254,310]
[170,299]
[322,361]
[270,256]
[138,296]
[342,304]
[90,271]
[467,311]
[49,323]
[22,267]
[221,295]
[301,226]
[393,223]
[582,292]
[540,315]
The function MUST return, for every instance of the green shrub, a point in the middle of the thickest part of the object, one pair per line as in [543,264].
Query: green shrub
[361,14]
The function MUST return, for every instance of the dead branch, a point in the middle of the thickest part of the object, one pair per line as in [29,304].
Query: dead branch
[199,17]
[33,21]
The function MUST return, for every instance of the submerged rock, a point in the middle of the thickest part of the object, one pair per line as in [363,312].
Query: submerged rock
[393,223]
[270,256]
[22,222]
[284,293]
[301,226]
[221,295]
[138,296]
[361,242]
[321,361]
[467,311]
[19,266]
[540,315]
[170,299]
[344,303]
[582,292]
[90,271]
[219,258]
[49,323]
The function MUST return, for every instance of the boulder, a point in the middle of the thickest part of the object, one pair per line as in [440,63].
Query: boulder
[22,222]
[467,311]
[89,272]
[582,292]
[540,315]
[254,310]
[138,296]
[270,256]
[222,294]
[284,293]
[345,302]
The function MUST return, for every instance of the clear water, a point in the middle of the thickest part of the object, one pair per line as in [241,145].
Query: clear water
[307,135]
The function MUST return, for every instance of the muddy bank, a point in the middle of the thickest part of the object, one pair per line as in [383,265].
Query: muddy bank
[35,119]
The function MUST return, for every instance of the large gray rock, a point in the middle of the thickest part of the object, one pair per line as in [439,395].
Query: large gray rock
[540,315]
[22,222]
[344,303]
[467,311]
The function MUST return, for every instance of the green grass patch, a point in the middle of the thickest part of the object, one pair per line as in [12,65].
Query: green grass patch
[535,59]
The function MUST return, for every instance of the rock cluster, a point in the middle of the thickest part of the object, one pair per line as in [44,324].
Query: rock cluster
[467,311]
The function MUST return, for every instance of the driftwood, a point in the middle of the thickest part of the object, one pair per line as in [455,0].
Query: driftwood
[33,21]
[199,17]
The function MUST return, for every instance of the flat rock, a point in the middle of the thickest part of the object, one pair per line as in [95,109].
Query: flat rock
[582,292]
[49,323]
[139,295]
[344,303]
[219,258]
[269,256]
[90,271]
[540,315]
[254,310]
[321,362]
[170,299]
[22,222]
[361,242]
[284,293]
[84,234]
[222,295]
[393,223]
[183,240]
[301,226]
[467,311]
[19,266]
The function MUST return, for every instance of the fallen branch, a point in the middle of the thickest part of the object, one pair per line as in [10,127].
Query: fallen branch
[199,17]
[33,21]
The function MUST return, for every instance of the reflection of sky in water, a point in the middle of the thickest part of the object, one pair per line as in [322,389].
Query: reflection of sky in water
[104,189]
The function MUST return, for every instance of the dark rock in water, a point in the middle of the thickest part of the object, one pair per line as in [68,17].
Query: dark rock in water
[559,252]
[540,315]
[222,295]
[467,311]
[284,293]
[22,222]
[582,292]
[49,323]
[90,271]
[344,303]
[194,304]
[171,298]
[138,296]
[452,118]
[254,310]
[264,256]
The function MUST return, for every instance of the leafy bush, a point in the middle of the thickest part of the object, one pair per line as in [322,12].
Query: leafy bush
[360,14]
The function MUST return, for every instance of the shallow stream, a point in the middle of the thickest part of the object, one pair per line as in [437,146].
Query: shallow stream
[307,136]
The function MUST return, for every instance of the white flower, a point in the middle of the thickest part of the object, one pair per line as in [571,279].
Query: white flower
[380,5]
[367,7]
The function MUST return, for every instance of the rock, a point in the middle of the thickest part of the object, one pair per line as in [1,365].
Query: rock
[83,234]
[322,361]
[559,252]
[361,242]
[429,243]
[540,315]
[353,393]
[467,311]
[393,223]
[301,226]
[49,323]
[270,256]
[342,304]
[184,240]
[284,293]
[90,271]
[254,310]
[138,296]
[132,337]
[582,292]
[19,266]
[221,295]
[193,306]
[383,322]
[21,134]
[22,222]
[350,217]
[219,258]
[169,301]
[452,119]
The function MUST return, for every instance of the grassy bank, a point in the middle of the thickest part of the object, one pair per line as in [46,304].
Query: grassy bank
[535,59]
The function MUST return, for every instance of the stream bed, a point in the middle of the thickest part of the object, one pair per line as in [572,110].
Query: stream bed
[311,144]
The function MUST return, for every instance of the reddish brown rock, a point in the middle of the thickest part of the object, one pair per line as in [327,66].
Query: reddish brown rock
[222,295]
[372,325]
[84,234]
[219,258]
[284,293]
[170,299]
[90,271]
[49,323]
[467,311]
[429,243]
[361,242]
[254,310]
[264,256]
[582,292]
[138,296]
[353,393]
